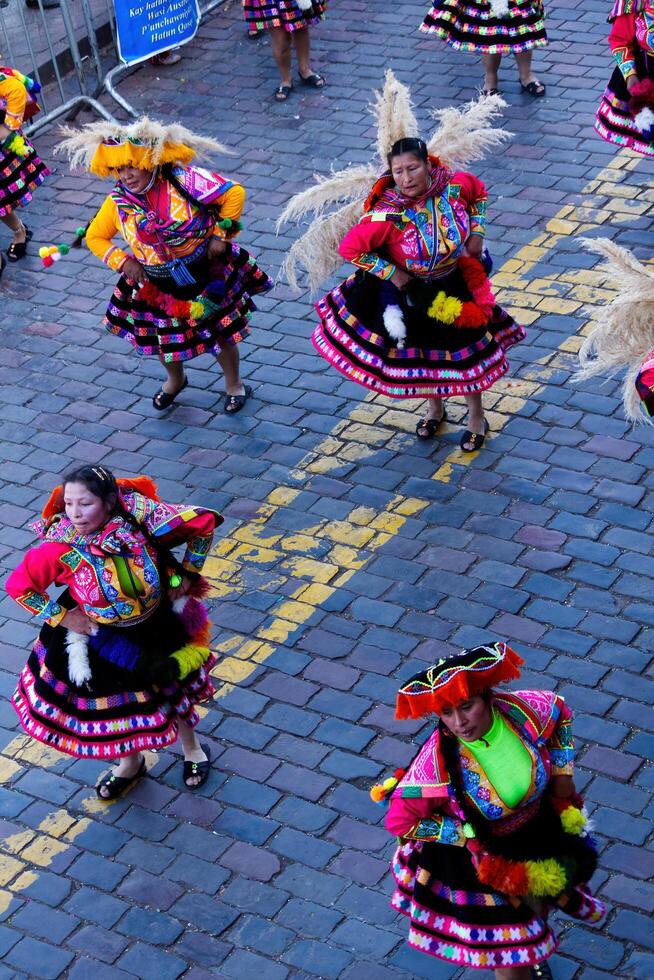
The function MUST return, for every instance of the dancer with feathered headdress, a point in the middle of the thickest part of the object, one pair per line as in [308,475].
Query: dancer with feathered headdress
[21,168]
[186,289]
[418,318]
[623,336]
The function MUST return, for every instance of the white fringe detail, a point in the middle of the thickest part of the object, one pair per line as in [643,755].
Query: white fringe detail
[395,325]
[79,670]
[644,119]
[180,604]
[499,8]
[304,4]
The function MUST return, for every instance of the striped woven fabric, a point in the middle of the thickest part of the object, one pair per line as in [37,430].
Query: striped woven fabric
[470,25]
[19,178]
[264,14]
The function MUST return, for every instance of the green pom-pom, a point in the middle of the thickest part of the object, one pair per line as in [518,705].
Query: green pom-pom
[225,223]
[63,249]
[80,232]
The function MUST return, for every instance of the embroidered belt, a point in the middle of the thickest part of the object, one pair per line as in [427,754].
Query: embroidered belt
[134,620]
[508,825]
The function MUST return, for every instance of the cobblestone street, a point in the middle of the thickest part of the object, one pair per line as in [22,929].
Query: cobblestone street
[352,555]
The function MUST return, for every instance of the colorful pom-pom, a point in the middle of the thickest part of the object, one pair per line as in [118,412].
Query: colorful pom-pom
[545,878]
[63,249]
[48,261]
[445,308]
[389,784]
[377,794]
[196,310]
[399,774]
[80,232]
[573,820]
[43,251]
[190,658]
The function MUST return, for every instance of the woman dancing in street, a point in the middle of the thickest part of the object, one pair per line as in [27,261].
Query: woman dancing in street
[122,658]
[21,168]
[288,22]
[186,288]
[491,830]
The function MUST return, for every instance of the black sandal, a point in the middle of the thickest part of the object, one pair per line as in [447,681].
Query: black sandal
[119,784]
[476,438]
[535,89]
[490,91]
[17,250]
[314,80]
[163,400]
[234,403]
[542,971]
[3,264]
[282,92]
[201,769]
[430,427]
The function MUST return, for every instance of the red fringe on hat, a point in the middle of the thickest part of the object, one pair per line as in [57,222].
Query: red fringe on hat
[464,684]
[141,484]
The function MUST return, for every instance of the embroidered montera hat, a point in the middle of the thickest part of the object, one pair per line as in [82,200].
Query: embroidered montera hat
[454,679]
[102,147]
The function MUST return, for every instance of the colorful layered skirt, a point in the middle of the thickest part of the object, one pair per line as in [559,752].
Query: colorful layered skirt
[614,122]
[473,25]
[264,14]
[194,320]
[437,359]
[456,918]
[20,175]
[132,700]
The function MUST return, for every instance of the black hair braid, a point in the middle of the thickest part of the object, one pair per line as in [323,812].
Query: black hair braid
[409,144]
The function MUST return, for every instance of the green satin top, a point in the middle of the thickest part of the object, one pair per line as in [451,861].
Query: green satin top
[505,760]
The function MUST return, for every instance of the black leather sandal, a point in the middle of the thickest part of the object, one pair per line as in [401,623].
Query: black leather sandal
[535,89]
[427,428]
[314,80]
[199,770]
[234,403]
[475,438]
[163,400]
[282,92]
[18,250]
[542,971]
[116,785]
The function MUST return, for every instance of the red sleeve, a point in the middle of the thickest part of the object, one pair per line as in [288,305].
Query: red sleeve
[403,814]
[623,32]
[29,583]
[367,236]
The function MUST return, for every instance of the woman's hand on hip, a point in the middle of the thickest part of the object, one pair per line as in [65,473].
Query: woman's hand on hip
[474,246]
[79,622]
[133,270]
[400,278]
[216,248]
[5,132]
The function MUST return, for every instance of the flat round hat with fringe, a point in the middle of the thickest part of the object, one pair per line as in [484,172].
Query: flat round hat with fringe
[454,679]
[103,147]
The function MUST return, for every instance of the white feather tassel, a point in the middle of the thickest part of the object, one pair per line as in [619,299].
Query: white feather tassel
[79,670]
[180,604]
[499,8]
[644,119]
[395,325]
[304,4]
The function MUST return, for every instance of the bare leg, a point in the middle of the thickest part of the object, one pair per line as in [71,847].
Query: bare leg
[491,66]
[13,222]
[175,379]
[192,749]
[302,42]
[127,767]
[281,49]
[523,61]
[475,416]
[229,360]
[513,973]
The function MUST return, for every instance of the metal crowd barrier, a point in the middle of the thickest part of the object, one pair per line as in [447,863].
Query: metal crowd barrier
[58,46]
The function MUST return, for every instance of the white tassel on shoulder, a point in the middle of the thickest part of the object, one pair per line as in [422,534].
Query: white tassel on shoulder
[79,670]
[499,8]
[395,325]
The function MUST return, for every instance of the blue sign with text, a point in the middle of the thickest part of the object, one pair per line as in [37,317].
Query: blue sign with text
[149,27]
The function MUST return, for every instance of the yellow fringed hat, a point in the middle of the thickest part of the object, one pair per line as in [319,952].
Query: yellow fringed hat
[103,147]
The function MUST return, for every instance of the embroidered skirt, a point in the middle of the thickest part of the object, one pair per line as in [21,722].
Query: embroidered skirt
[438,360]
[119,711]
[456,918]
[471,25]
[614,122]
[264,14]
[19,177]
[156,324]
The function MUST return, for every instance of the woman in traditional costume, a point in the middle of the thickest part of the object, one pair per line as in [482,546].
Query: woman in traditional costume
[493,27]
[419,317]
[122,658]
[626,114]
[622,337]
[185,287]
[21,168]
[288,22]
[491,829]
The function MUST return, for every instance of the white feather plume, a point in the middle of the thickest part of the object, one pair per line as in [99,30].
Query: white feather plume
[77,645]
[468,134]
[395,325]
